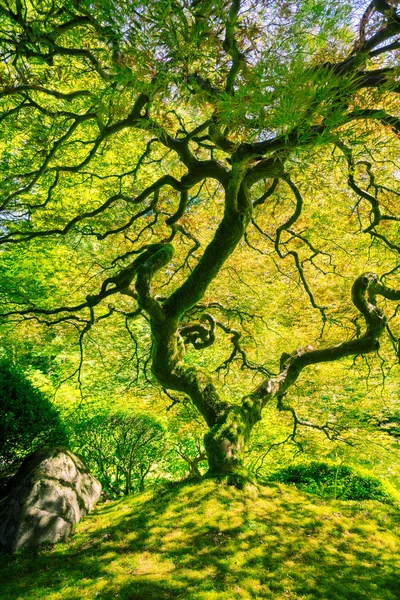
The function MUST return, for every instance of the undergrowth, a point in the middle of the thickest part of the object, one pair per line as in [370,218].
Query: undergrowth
[332,481]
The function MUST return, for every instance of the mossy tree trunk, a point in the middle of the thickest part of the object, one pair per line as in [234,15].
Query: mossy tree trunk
[226,441]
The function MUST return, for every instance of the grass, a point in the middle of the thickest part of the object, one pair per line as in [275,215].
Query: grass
[204,541]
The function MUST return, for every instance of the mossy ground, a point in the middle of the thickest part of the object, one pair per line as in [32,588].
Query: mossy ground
[208,541]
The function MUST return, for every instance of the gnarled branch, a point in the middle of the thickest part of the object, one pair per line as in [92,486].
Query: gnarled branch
[364,292]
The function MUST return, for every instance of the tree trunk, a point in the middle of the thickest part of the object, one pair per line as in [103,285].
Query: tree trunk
[226,442]
[128,481]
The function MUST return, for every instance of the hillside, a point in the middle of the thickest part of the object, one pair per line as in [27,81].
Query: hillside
[202,541]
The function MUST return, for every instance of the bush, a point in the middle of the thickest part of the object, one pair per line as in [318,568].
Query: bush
[28,420]
[121,449]
[328,480]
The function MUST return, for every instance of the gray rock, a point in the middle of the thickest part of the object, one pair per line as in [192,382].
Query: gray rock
[45,499]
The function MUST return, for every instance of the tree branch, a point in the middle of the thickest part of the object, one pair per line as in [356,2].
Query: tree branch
[364,292]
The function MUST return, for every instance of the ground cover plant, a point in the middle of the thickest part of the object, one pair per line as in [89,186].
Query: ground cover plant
[207,541]
[330,480]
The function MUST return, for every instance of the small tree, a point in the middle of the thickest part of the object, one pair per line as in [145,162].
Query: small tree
[120,448]
[186,456]
[28,420]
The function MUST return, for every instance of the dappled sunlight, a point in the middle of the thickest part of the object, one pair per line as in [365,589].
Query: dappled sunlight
[203,541]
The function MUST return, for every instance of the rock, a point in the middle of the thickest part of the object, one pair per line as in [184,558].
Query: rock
[45,499]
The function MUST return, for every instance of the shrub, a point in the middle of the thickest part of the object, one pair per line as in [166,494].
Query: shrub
[334,481]
[121,449]
[28,420]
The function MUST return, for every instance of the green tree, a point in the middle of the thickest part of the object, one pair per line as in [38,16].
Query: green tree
[120,449]
[28,420]
[185,456]
[147,147]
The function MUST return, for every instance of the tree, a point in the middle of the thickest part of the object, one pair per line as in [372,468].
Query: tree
[145,142]
[28,420]
[185,457]
[119,448]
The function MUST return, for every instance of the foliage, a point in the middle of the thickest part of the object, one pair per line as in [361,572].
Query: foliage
[121,449]
[365,441]
[203,196]
[28,420]
[185,457]
[390,423]
[328,480]
[209,542]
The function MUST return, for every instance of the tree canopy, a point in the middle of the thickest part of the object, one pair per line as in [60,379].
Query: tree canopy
[203,175]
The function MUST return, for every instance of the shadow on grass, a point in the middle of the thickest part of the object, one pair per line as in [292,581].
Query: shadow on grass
[203,541]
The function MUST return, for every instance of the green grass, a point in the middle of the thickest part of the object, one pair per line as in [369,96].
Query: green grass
[204,541]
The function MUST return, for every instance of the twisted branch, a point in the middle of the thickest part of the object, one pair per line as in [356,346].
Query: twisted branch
[364,292]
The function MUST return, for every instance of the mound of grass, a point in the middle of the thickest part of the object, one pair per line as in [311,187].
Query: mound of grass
[328,480]
[204,541]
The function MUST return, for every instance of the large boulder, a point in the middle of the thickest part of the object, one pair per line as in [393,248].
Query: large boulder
[51,491]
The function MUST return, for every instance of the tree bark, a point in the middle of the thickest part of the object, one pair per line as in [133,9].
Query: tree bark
[226,441]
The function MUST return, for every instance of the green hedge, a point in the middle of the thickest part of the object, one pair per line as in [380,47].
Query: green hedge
[328,480]
[28,420]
